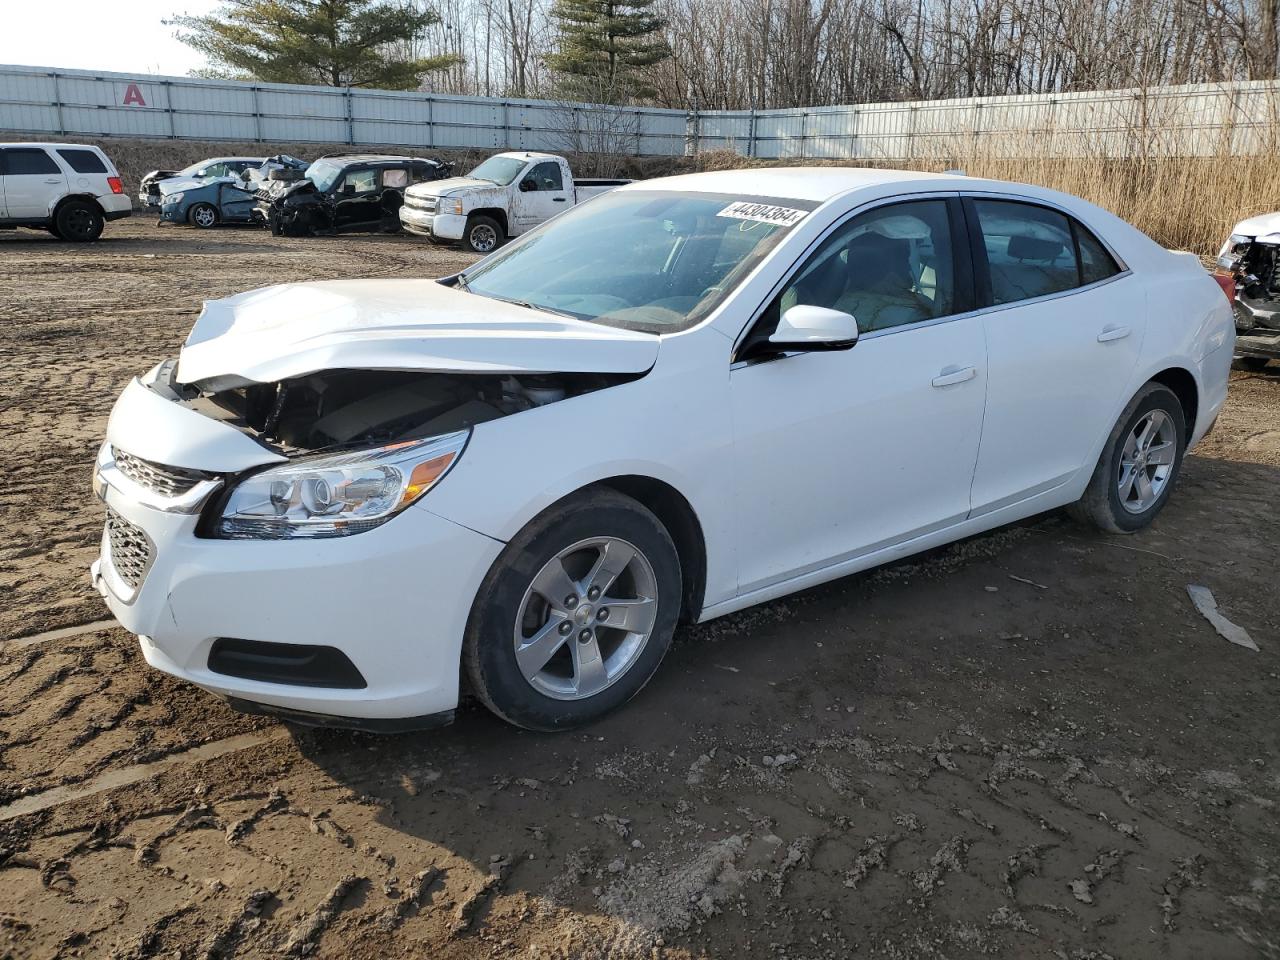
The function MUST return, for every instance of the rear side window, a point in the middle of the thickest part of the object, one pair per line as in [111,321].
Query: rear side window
[83,161]
[1095,262]
[1030,250]
[28,160]
[395,178]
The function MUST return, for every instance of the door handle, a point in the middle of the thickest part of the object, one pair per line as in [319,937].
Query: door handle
[557,199]
[1113,332]
[953,374]
[53,180]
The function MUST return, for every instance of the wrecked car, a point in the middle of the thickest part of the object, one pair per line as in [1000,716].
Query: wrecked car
[231,199]
[1249,270]
[344,193]
[149,187]
[343,496]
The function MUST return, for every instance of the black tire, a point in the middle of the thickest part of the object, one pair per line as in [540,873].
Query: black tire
[204,216]
[489,656]
[53,228]
[1253,363]
[79,221]
[482,235]
[1101,504]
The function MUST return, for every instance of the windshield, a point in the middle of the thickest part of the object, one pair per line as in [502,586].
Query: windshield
[323,174]
[191,170]
[499,170]
[643,260]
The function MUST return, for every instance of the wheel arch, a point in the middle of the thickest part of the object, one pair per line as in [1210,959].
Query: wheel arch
[494,213]
[1183,384]
[64,200]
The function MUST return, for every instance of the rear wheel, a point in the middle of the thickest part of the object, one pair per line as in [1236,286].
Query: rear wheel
[79,221]
[575,615]
[203,215]
[1139,464]
[482,235]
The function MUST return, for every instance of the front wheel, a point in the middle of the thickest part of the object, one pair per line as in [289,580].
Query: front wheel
[482,235]
[576,614]
[204,216]
[1139,464]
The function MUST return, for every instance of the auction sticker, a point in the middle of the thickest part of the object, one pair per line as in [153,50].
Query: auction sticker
[763,212]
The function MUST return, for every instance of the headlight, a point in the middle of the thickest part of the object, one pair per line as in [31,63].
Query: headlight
[456,205]
[339,494]
[171,198]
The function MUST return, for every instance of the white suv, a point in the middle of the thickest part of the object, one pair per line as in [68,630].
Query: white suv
[69,189]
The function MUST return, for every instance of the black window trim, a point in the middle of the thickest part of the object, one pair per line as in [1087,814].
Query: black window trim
[982,270]
[20,147]
[959,252]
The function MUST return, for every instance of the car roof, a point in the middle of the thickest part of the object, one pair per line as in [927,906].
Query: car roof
[816,184]
[373,158]
[55,146]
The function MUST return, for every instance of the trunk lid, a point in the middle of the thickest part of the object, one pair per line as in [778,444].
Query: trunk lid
[290,330]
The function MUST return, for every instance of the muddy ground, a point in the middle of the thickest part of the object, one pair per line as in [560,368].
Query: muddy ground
[1026,745]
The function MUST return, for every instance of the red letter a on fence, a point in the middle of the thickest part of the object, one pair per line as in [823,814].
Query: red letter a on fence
[134,95]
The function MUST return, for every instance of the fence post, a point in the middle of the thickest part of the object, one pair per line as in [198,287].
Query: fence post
[751,134]
[506,125]
[855,148]
[804,135]
[431,130]
[351,123]
[57,103]
[257,114]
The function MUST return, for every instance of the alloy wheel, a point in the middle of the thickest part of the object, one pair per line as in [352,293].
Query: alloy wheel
[483,238]
[586,618]
[1146,461]
[204,216]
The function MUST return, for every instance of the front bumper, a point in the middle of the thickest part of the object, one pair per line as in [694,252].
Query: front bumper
[442,226]
[394,600]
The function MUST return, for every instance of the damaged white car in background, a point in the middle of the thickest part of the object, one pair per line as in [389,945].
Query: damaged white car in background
[1249,272]
[682,398]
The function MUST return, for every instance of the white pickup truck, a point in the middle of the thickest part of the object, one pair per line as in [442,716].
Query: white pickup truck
[507,195]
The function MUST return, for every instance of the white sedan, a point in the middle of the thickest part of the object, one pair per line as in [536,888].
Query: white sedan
[680,399]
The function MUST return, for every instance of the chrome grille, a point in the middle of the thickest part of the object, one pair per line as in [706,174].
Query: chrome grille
[130,549]
[164,480]
[423,204]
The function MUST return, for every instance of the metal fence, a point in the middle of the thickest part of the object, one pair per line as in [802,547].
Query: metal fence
[1197,119]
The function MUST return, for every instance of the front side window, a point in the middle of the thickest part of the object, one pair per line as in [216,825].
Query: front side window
[213,170]
[1030,250]
[888,267]
[20,161]
[361,181]
[546,176]
[684,253]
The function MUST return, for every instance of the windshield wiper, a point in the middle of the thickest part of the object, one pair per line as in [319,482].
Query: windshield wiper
[528,306]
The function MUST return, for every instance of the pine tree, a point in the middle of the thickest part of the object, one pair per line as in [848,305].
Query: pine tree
[604,45]
[339,43]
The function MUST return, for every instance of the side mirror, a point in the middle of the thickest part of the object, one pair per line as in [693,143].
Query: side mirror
[527,184]
[805,327]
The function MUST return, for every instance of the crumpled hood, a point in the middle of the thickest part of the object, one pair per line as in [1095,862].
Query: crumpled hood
[293,329]
[1264,226]
[448,186]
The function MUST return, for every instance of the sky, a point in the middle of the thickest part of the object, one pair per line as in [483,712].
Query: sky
[126,36]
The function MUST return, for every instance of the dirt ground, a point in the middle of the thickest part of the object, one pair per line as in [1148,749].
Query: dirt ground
[1026,745]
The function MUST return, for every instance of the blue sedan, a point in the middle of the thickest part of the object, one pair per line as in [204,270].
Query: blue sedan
[207,203]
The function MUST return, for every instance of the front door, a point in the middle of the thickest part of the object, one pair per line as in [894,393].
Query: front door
[1063,333]
[546,197]
[358,199]
[33,183]
[839,454]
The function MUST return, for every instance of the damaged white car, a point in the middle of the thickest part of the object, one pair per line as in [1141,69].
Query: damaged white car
[1249,272]
[682,398]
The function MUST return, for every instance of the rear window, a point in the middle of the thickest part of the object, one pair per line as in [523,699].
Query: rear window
[28,160]
[83,161]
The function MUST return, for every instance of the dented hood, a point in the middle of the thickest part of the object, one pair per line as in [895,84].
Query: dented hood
[294,329]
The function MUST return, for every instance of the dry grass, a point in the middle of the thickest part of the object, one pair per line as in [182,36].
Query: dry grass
[1182,202]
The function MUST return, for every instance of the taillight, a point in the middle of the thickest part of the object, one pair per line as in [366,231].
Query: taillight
[115,184]
[1228,284]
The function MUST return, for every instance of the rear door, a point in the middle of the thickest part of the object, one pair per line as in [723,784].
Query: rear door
[547,198]
[33,183]
[1064,329]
